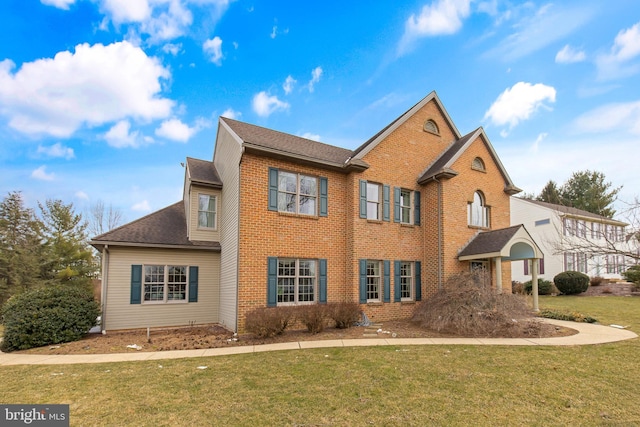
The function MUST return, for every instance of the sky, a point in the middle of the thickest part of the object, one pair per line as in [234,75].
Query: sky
[102,100]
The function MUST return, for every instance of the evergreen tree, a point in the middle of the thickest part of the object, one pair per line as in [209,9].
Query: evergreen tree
[550,194]
[21,252]
[69,258]
[588,190]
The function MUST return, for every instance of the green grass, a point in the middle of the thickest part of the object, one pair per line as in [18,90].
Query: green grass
[395,385]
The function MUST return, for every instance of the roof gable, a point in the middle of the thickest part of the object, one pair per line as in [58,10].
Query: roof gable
[494,243]
[203,172]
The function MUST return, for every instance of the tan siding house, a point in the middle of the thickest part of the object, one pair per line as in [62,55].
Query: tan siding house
[278,220]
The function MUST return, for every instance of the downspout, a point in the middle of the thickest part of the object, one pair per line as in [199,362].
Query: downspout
[235,327]
[103,291]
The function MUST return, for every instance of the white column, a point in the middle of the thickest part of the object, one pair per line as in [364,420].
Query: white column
[498,263]
[534,283]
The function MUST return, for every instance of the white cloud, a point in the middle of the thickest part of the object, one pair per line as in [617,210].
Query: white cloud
[41,174]
[231,114]
[439,17]
[288,84]
[213,48]
[547,25]
[568,55]
[57,150]
[175,130]
[312,136]
[92,86]
[536,145]
[518,103]
[316,73]
[123,11]
[264,104]
[274,32]
[60,4]
[623,117]
[173,49]
[119,136]
[82,195]
[626,47]
[142,206]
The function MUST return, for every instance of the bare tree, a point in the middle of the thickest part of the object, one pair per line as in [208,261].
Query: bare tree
[103,219]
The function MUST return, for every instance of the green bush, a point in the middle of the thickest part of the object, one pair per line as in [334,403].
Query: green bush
[632,275]
[571,282]
[544,287]
[48,315]
[572,316]
[268,322]
[344,314]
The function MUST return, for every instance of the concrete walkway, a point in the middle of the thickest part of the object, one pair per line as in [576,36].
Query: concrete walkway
[587,334]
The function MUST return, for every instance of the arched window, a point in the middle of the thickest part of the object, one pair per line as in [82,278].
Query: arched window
[431,126]
[478,212]
[478,164]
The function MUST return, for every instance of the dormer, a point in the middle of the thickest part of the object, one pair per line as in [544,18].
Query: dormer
[202,200]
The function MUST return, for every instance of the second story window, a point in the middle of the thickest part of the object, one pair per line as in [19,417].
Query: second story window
[478,212]
[405,206]
[297,193]
[373,201]
[206,211]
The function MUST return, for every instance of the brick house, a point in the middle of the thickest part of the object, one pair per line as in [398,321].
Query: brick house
[276,219]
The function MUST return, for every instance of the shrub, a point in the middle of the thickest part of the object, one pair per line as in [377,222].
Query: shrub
[571,282]
[344,314]
[468,306]
[571,316]
[596,281]
[633,275]
[313,316]
[544,287]
[267,322]
[49,315]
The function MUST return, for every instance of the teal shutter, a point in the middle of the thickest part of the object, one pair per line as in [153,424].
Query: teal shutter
[418,281]
[416,207]
[136,284]
[272,281]
[363,281]
[273,189]
[193,283]
[396,204]
[363,198]
[387,280]
[396,281]
[324,197]
[385,202]
[322,288]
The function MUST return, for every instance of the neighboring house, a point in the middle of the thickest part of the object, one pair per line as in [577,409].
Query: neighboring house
[571,240]
[276,219]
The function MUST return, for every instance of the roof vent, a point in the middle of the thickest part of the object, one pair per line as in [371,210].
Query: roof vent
[431,127]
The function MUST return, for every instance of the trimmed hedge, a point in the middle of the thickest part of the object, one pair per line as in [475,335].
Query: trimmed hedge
[571,282]
[48,315]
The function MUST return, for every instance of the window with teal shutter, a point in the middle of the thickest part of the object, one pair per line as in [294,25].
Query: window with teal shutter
[363,281]
[272,281]
[385,202]
[396,281]
[136,284]
[396,204]
[363,199]
[416,208]
[387,280]
[322,288]
[273,189]
[418,281]
[324,197]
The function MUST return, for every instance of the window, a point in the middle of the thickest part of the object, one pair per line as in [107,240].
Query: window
[581,229]
[297,193]
[207,211]
[569,226]
[595,230]
[405,206]
[296,281]
[478,213]
[373,201]
[542,222]
[373,281]
[569,261]
[164,283]
[406,281]
[478,164]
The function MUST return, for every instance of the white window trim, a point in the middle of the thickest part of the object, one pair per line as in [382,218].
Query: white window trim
[378,202]
[297,277]
[412,284]
[298,194]
[378,276]
[409,207]
[165,283]
[485,212]
[215,212]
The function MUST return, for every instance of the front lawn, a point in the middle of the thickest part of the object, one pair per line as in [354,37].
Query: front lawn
[395,385]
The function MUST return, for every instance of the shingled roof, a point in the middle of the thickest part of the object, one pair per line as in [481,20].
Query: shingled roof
[204,173]
[494,243]
[286,144]
[164,228]
[575,212]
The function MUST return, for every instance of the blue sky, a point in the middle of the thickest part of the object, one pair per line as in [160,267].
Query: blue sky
[103,99]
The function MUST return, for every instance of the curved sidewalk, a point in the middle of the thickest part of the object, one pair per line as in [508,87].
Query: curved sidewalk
[587,334]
